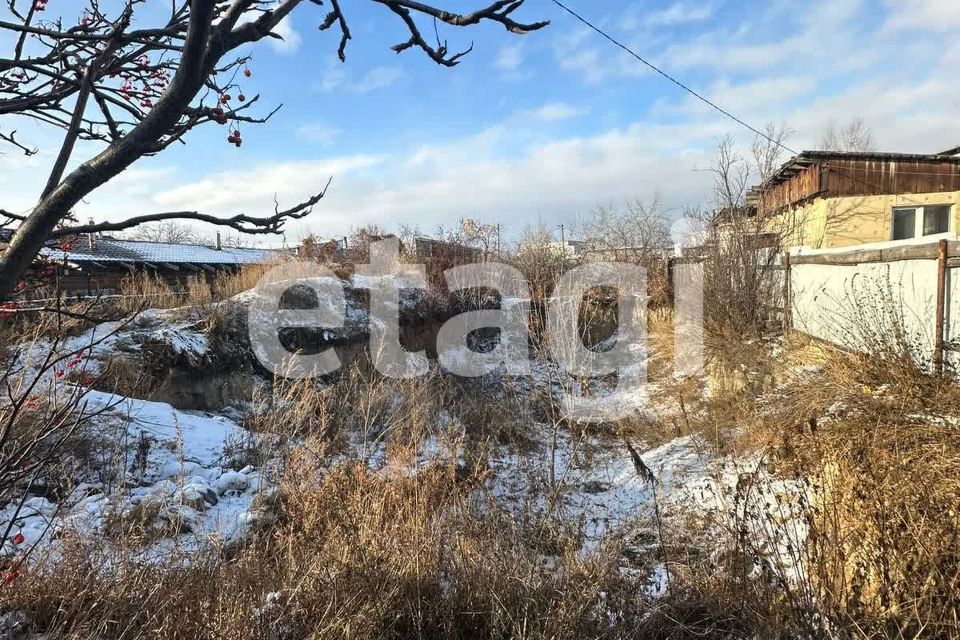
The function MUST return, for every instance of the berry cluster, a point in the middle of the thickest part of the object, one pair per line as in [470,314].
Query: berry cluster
[220,116]
[152,82]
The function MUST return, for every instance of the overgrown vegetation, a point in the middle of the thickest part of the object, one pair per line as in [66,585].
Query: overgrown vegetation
[831,509]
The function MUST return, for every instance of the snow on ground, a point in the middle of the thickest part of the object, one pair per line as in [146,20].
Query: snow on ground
[180,468]
[177,468]
[174,469]
[601,488]
[175,328]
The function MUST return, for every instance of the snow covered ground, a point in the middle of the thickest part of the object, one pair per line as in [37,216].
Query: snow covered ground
[176,472]
[181,474]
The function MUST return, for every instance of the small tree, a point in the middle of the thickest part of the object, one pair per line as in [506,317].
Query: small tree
[139,88]
[541,264]
[740,281]
[170,231]
[853,136]
[637,232]
[634,232]
[484,235]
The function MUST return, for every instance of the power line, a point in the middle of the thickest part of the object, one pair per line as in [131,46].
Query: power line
[671,78]
[714,105]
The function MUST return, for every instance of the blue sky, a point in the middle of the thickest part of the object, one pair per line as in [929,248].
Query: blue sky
[544,126]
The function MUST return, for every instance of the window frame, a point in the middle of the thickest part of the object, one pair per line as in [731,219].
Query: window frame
[920,215]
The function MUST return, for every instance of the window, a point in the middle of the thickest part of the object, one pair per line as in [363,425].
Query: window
[913,222]
[904,223]
[936,219]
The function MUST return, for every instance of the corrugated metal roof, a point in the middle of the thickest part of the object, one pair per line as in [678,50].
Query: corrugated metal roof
[107,249]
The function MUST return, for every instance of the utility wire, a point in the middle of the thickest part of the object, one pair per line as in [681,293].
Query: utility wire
[711,104]
[671,78]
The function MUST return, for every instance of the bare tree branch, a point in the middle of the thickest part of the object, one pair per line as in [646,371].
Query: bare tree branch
[139,90]
[10,138]
[241,222]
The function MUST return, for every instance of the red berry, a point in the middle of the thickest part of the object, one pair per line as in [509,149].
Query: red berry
[242,98]
[247,72]
[18,539]
[10,576]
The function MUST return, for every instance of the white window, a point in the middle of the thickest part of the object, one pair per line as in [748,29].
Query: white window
[914,222]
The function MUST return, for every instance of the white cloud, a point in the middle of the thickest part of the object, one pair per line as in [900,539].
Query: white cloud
[336,78]
[937,15]
[594,65]
[679,13]
[332,77]
[319,132]
[374,79]
[555,178]
[553,112]
[761,95]
[828,30]
[512,64]
[252,190]
[510,57]
[291,37]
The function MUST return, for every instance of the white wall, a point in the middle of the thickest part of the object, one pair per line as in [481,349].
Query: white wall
[853,305]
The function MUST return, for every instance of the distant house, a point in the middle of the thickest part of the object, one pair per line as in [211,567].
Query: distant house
[829,199]
[430,249]
[90,264]
[569,249]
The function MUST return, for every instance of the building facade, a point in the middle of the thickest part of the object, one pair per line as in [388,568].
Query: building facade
[825,200]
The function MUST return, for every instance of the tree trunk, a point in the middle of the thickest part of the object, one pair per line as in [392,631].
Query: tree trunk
[195,66]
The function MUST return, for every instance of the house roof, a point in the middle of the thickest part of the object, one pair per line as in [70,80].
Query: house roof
[106,249]
[804,159]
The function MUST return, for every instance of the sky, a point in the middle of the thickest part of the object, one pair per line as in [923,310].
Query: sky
[540,127]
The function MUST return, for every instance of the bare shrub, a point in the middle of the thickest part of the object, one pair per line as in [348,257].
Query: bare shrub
[741,283]
[638,232]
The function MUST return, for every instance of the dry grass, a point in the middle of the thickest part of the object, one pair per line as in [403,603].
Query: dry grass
[354,556]
[882,453]
[196,292]
[873,442]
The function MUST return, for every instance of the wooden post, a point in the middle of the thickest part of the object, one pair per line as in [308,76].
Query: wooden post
[787,293]
[941,305]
